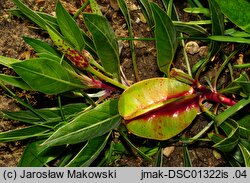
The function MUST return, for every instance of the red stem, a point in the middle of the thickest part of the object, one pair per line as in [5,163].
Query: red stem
[219,98]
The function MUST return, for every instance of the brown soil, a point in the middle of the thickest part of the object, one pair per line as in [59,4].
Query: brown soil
[11,31]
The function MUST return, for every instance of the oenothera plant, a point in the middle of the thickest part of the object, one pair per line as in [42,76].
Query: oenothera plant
[157,108]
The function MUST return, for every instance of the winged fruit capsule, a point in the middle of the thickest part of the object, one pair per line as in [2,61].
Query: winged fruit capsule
[158,108]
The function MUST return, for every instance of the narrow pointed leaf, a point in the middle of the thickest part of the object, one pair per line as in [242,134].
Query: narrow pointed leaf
[88,125]
[46,76]
[6,61]
[204,11]
[105,42]
[65,64]
[220,118]
[192,30]
[36,155]
[52,22]
[50,114]
[69,153]
[14,81]
[245,142]
[236,33]
[24,133]
[186,157]
[95,7]
[124,9]
[69,28]
[32,15]
[230,39]
[146,9]
[237,12]
[246,155]
[244,126]
[217,25]
[159,158]
[124,132]
[231,141]
[40,46]
[166,39]
[89,152]
[49,19]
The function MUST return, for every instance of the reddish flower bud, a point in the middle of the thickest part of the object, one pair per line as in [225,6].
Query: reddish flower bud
[79,60]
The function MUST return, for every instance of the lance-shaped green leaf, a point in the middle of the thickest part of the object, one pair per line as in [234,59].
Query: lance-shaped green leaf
[6,61]
[146,9]
[230,142]
[78,59]
[89,152]
[88,125]
[69,28]
[94,7]
[158,108]
[244,126]
[41,47]
[217,25]
[36,155]
[166,38]
[49,114]
[31,14]
[246,153]
[237,12]
[186,156]
[24,133]
[51,21]
[150,94]
[192,30]
[14,81]
[105,42]
[46,76]
[124,9]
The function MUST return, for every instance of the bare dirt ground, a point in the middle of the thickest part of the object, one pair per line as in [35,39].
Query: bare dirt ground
[11,31]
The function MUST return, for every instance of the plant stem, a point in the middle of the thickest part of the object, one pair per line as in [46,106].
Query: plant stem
[198,135]
[92,102]
[60,106]
[98,66]
[185,56]
[132,48]
[81,9]
[197,2]
[169,8]
[197,75]
[136,39]
[220,118]
[124,135]
[223,67]
[105,78]
[22,102]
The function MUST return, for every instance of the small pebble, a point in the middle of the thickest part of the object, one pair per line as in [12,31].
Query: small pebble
[203,51]
[192,47]
[240,59]
[142,18]
[216,154]
[167,151]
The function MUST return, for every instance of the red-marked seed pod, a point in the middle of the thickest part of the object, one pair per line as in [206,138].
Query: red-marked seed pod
[78,59]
